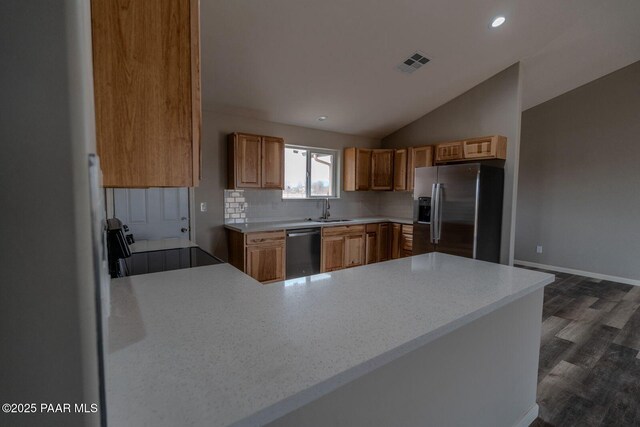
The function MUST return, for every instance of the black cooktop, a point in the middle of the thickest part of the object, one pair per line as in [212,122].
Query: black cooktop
[167,259]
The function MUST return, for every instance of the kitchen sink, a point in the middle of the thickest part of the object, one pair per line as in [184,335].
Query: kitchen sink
[328,220]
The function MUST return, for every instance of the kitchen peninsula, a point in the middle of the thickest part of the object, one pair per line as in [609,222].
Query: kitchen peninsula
[401,342]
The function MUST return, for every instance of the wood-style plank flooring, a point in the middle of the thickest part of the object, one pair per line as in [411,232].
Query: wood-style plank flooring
[589,372]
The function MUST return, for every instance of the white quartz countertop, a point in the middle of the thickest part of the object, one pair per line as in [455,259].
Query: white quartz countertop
[301,223]
[162,244]
[210,346]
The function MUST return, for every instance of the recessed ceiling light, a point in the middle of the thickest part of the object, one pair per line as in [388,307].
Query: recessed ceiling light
[322,118]
[497,21]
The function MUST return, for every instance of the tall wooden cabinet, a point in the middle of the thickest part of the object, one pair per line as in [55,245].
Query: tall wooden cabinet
[146,69]
[255,161]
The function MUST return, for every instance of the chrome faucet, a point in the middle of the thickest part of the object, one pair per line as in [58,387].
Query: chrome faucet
[325,209]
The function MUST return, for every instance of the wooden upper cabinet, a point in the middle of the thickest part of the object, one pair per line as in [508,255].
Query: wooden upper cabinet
[382,169]
[272,162]
[255,161]
[488,147]
[146,70]
[245,155]
[449,151]
[419,157]
[400,170]
[484,148]
[356,172]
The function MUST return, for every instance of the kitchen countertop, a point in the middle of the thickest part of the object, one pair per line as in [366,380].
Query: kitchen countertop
[211,346]
[162,244]
[293,224]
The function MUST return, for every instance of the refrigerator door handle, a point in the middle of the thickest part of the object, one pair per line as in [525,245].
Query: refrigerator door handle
[434,209]
[439,211]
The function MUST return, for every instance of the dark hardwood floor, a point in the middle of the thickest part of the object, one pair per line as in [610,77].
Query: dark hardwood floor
[589,372]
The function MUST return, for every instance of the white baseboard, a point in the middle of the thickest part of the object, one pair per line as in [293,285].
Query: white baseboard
[529,417]
[580,272]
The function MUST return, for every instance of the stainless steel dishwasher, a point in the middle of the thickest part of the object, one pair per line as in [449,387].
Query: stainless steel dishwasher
[303,252]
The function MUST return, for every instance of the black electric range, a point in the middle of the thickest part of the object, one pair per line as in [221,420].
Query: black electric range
[167,259]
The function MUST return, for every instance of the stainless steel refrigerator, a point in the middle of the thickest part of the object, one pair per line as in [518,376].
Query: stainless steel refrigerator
[458,210]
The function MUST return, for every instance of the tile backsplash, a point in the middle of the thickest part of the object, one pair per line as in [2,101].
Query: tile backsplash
[235,206]
[267,205]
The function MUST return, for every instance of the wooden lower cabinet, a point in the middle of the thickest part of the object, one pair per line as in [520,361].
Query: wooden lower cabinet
[371,247]
[261,255]
[343,246]
[351,246]
[401,240]
[384,241]
[406,241]
[354,250]
[333,253]
[265,263]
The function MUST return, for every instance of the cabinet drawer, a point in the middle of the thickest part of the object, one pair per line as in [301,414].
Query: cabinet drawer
[268,237]
[372,228]
[342,230]
[449,151]
[407,229]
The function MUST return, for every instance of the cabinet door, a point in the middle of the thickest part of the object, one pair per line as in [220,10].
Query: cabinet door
[248,161]
[383,242]
[381,170]
[406,242]
[332,253]
[266,263]
[354,250]
[489,147]
[147,90]
[371,247]
[419,157]
[396,240]
[449,151]
[400,169]
[272,162]
[363,169]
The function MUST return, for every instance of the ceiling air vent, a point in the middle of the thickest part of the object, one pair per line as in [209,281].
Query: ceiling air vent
[412,63]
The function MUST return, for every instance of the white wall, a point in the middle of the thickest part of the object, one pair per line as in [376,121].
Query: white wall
[579,193]
[492,107]
[48,351]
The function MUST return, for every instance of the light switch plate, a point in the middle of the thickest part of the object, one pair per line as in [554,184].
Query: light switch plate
[203,207]
[539,249]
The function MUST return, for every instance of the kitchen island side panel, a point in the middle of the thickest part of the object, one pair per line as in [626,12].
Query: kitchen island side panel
[482,374]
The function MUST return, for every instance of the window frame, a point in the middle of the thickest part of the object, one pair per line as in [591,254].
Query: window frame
[336,168]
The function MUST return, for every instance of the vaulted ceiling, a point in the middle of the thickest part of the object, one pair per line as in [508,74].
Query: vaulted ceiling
[292,61]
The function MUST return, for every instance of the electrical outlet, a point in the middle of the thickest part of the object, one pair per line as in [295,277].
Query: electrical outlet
[539,249]
[203,207]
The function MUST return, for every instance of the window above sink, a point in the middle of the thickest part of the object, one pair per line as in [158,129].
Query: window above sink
[310,173]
